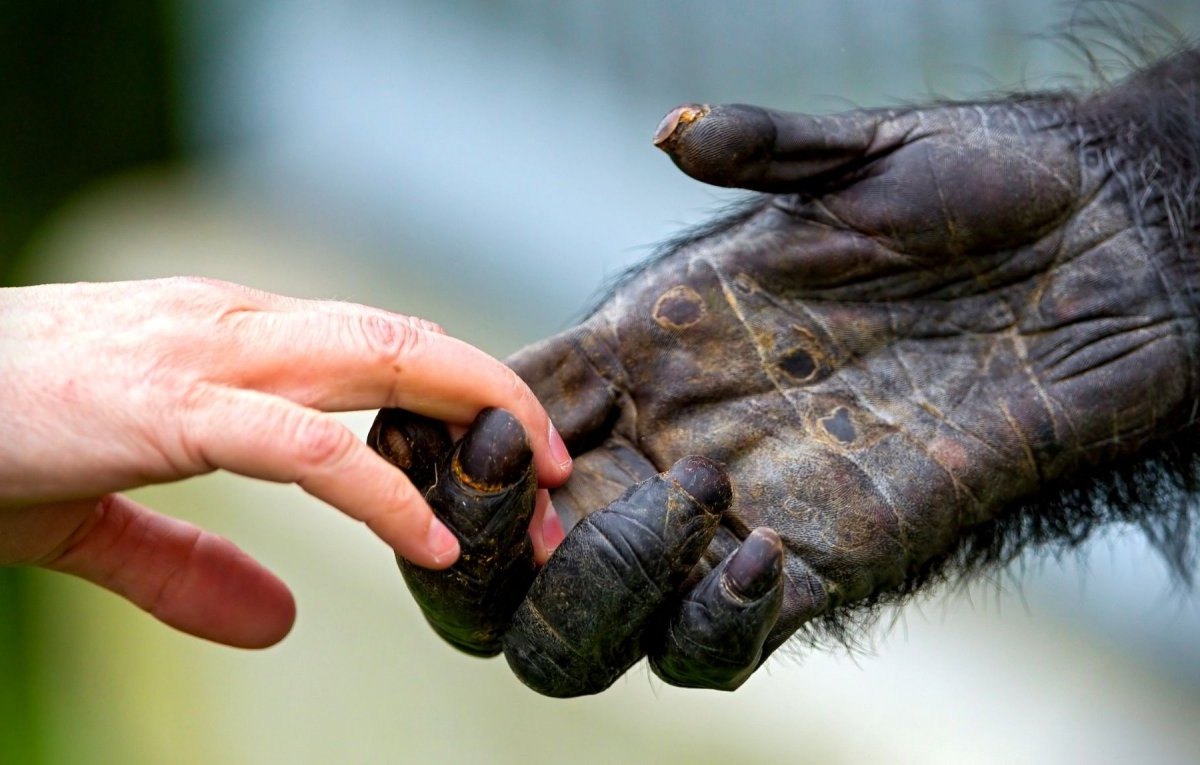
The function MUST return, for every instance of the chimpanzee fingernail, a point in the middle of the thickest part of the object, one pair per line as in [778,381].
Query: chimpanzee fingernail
[756,565]
[395,448]
[680,115]
[704,480]
[558,449]
[494,453]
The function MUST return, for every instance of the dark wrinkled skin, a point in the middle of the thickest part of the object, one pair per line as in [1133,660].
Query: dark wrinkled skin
[484,490]
[931,316]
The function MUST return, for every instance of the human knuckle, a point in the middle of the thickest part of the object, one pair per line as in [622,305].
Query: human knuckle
[202,290]
[189,282]
[193,415]
[166,387]
[388,339]
[196,305]
[192,396]
[318,440]
[404,495]
[427,325]
[402,505]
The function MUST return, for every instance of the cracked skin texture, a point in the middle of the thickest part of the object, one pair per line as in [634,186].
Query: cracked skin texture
[928,316]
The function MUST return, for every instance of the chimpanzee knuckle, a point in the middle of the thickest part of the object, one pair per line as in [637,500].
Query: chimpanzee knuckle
[714,639]
[622,553]
[549,662]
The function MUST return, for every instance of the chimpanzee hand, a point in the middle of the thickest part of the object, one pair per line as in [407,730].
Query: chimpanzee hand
[933,314]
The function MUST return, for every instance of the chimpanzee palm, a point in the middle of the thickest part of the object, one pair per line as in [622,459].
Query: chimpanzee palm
[930,316]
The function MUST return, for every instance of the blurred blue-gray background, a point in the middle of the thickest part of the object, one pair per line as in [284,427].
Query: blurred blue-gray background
[487,164]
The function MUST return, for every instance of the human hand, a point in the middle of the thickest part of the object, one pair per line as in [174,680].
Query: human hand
[935,315]
[113,386]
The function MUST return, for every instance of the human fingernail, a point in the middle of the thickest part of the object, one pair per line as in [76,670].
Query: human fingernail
[558,449]
[443,545]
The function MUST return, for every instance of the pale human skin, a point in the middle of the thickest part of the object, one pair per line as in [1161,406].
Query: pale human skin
[112,386]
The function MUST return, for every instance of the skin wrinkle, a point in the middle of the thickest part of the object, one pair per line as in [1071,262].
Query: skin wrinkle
[79,535]
[1021,150]
[966,432]
[1179,307]
[839,350]
[626,556]
[792,584]
[914,392]
[978,276]
[552,631]
[984,121]
[1099,363]
[1139,432]
[178,567]
[682,638]
[134,525]
[1017,342]
[952,236]
[1034,466]
[636,522]
[885,496]
[628,404]
[1142,322]
[197,406]
[767,369]
[1041,282]
[110,507]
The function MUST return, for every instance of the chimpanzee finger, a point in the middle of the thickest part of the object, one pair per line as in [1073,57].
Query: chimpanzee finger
[484,492]
[582,624]
[414,443]
[567,374]
[749,147]
[715,637]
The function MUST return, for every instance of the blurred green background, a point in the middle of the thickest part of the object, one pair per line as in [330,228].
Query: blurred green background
[487,164]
